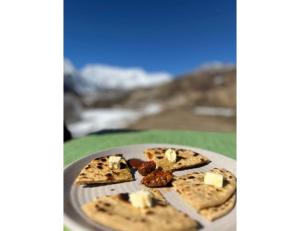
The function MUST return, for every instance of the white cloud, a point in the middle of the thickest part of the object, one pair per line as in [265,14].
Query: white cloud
[104,76]
[98,76]
[69,68]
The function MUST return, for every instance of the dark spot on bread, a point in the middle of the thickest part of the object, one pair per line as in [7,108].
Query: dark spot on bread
[195,154]
[100,208]
[122,165]
[97,158]
[143,220]
[159,157]
[124,197]
[161,204]
[103,159]
[109,176]
[191,177]
[107,204]
[149,155]
[112,189]
[81,174]
[100,165]
[127,218]
[149,212]
[118,155]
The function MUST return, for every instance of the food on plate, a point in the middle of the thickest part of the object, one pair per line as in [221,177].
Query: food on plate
[171,155]
[214,179]
[146,167]
[134,163]
[105,170]
[119,213]
[208,199]
[215,212]
[141,199]
[157,178]
[175,159]
[114,162]
[156,194]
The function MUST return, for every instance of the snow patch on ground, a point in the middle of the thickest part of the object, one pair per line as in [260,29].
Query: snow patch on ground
[93,120]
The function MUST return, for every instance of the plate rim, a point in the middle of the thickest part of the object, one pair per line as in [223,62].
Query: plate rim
[71,223]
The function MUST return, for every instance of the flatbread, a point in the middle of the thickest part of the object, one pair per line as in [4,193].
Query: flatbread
[185,158]
[192,189]
[98,172]
[116,212]
[156,194]
[213,213]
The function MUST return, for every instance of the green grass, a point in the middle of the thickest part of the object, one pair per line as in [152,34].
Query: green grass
[224,143]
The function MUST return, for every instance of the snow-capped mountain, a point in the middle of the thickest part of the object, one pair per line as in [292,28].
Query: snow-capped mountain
[94,77]
[73,81]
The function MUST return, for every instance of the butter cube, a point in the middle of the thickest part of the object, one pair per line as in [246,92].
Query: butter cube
[141,199]
[171,155]
[114,162]
[213,179]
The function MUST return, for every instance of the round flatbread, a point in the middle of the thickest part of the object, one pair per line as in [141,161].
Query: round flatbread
[117,213]
[192,189]
[213,213]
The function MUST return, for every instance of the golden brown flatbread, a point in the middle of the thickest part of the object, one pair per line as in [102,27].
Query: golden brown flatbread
[116,212]
[201,196]
[185,158]
[156,194]
[98,172]
[213,213]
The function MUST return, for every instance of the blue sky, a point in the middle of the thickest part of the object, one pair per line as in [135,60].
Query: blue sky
[167,35]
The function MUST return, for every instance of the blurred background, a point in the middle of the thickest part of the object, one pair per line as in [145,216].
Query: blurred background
[149,65]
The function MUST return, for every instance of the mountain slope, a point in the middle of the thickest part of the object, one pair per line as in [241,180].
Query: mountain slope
[216,88]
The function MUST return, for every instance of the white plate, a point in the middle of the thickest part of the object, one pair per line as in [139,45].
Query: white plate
[75,196]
